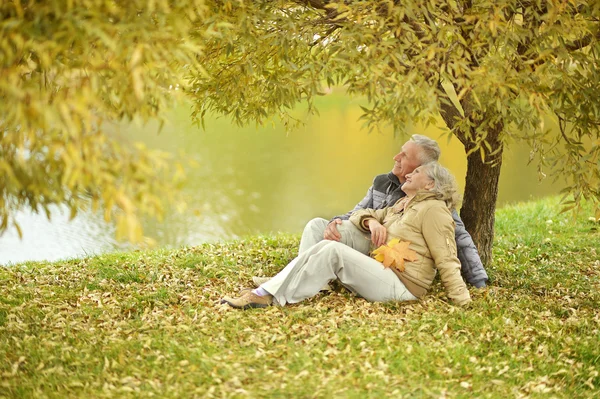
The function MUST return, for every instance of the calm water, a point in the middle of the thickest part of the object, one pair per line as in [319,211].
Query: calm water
[257,180]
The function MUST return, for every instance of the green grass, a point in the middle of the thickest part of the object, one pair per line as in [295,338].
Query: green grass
[147,324]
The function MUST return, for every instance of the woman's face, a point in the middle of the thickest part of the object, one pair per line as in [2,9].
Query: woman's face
[417,180]
[406,160]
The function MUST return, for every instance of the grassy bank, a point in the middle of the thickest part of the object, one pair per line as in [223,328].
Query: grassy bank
[149,324]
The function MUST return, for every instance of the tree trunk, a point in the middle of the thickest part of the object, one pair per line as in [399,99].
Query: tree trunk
[479,202]
[478,210]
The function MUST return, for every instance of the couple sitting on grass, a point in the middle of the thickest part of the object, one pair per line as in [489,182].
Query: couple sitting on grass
[412,209]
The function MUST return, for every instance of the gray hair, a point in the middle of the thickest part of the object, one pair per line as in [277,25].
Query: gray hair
[430,150]
[444,184]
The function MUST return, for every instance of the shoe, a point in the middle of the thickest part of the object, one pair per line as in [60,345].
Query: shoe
[326,287]
[249,300]
[258,281]
[241,292]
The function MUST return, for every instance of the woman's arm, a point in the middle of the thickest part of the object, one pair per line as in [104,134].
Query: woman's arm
[359,218]
[438,231]
[370,221]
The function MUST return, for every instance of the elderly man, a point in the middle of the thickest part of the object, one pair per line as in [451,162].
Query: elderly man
[385,191]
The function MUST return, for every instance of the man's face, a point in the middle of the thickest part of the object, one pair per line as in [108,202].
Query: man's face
[406,161]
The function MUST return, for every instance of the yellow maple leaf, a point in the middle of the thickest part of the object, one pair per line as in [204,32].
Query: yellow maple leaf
[394,253]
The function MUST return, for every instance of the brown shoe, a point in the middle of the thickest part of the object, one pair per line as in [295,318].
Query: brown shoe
[241,293]
[249,300]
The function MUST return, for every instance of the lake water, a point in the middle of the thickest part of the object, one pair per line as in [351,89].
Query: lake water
[257,180]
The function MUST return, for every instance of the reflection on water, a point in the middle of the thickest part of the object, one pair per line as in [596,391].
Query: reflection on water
[57,239]
[257,180]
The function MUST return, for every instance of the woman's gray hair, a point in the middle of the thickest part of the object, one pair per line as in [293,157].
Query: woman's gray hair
[444,184]
[430,150]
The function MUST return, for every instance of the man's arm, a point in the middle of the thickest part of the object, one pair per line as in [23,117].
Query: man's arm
[331,232]
[366,202]
[471,267]
[378,196]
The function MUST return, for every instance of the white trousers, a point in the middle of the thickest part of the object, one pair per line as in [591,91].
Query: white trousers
[328,260]
[351,235]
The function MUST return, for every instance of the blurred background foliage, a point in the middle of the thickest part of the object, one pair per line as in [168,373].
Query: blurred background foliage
[69,66]
[493,70]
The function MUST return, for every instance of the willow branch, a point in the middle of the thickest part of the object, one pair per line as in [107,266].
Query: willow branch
[320,5]
[325,36]
[583,42]
[448,111]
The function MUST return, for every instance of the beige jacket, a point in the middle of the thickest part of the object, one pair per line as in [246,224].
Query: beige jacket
[427,223]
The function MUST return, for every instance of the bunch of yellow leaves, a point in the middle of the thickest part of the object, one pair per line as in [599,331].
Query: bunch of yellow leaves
[394,253]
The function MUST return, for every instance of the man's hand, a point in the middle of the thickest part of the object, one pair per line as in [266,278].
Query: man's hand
[378,233]
[331,231]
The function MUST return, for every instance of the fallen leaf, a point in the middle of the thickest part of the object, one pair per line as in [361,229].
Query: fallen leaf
[394,253]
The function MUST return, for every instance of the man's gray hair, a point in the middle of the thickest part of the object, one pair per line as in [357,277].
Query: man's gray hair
[430,150]
[444,184]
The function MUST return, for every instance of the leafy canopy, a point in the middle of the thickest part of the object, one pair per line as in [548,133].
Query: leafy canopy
[69,69]
[496,71]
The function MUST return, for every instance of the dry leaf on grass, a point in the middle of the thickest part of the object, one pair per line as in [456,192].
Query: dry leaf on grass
[394,253]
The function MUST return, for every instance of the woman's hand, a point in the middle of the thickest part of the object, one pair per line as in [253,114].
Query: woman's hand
[378,232]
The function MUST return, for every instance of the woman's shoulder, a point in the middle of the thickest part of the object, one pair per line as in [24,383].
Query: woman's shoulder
[427,200]
[435,206]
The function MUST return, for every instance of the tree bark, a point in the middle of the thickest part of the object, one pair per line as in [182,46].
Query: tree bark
[478,210]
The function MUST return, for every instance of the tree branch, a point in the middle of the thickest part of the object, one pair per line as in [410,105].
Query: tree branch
[583,42]
[329,16]
[325,36]
[320,5]
[448,110]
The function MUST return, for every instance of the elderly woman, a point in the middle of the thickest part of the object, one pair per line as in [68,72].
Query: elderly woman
[422,223]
